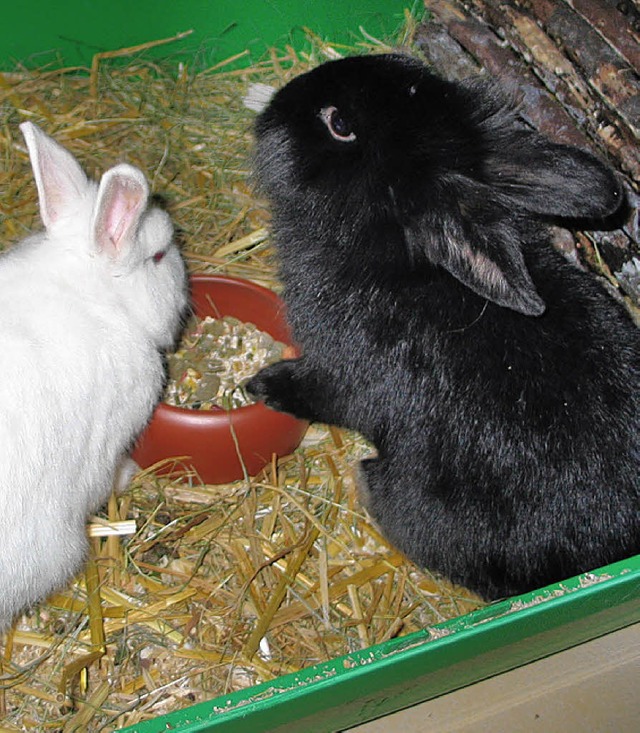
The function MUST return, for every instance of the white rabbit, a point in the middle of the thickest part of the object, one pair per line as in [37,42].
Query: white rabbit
[86,308]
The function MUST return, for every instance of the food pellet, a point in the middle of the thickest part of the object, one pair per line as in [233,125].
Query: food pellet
[215,359]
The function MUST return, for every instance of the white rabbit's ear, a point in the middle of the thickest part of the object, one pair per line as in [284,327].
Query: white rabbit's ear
[60,180]
[122,199]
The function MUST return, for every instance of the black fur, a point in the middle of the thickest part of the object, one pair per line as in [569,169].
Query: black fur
[499,384]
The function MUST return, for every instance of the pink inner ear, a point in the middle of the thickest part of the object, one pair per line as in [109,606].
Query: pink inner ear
[119,212]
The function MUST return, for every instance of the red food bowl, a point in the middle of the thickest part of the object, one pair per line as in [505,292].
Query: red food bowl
[219,444]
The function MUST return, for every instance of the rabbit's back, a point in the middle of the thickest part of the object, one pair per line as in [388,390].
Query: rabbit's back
[499,434]
[85,375]
[79,384]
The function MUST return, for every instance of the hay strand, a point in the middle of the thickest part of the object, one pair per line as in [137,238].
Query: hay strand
[98,58]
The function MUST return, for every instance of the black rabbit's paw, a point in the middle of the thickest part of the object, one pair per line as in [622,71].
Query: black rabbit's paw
[276,386]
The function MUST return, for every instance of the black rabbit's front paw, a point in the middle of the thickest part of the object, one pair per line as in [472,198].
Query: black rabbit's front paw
[277,387]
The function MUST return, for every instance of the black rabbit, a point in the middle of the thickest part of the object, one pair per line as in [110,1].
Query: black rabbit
[499,384]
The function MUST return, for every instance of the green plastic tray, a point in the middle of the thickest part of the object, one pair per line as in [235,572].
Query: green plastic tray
[366,685]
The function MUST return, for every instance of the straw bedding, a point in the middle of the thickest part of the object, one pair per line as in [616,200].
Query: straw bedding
[195,590]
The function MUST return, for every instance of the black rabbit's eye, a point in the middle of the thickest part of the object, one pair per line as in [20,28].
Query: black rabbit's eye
[337,125]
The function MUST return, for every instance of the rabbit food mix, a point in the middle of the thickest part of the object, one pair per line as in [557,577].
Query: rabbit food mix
[214,360]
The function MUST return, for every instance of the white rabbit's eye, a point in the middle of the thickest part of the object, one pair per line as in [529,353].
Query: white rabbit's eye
[337,125]
[159,255]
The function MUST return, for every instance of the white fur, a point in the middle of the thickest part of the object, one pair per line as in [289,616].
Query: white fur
[84,314]
[258,96]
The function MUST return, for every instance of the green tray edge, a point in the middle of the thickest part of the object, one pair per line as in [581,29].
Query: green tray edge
[364,685]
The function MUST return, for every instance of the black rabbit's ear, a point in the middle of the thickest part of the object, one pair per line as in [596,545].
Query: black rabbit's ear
[487,259]
[554,180]
[541,176]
